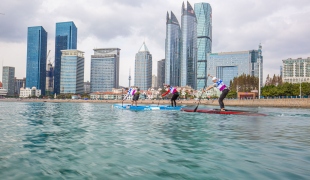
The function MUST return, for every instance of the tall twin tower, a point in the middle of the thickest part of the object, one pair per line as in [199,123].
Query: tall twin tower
[186,46]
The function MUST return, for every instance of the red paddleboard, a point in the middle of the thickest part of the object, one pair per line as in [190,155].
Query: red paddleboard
[218,111]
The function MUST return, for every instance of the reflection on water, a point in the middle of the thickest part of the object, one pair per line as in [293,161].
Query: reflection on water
[93,141]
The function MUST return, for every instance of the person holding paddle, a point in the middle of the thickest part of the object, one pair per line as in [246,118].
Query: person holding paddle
[218,83]
[134,92]
[174,91]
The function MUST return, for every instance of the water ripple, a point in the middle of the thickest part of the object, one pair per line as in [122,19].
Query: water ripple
[93,141]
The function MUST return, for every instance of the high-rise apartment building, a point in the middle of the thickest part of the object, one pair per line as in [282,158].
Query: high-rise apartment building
[172,50]
[104,74]
[160,73]
[72,72]
[188,47]
[296,70]
[143,68]
[227,65]
[8,74]
[66,38]
[203,12]
[36,58]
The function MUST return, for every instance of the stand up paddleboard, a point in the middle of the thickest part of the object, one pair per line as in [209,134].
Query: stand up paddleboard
[147,108]
[218,111]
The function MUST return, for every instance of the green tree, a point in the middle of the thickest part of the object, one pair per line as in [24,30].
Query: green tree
[232,94]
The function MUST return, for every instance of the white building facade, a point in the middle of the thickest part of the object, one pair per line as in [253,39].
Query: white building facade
[296,70]
[27,92]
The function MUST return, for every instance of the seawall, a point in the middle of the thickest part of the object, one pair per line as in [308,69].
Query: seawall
[302,103]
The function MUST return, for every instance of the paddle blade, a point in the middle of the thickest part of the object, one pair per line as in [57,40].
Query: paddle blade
[196,108]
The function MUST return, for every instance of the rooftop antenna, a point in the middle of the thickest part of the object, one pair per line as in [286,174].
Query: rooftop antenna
[129,78]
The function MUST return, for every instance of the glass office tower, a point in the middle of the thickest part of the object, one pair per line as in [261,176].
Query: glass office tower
[188,47]
[172,51]
[36,58]
[72,72]
[227,65]
[104,73]
[66,38]
[143,68]
[203,13]
[8,82]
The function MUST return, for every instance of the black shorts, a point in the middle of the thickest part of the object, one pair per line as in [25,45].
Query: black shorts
[175,96]
[135,97]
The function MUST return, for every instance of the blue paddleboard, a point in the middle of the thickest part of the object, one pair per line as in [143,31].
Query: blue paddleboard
[148,108]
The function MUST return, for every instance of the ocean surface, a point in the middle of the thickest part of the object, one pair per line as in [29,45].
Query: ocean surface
[94,141]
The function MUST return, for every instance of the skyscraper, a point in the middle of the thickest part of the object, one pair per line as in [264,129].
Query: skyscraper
[188,47]
[143,68]
[66,38]
[161,73]
[8,83]
[72,72]
[104,73]
[36,58]
[19,83]
[203,13]
[172,51]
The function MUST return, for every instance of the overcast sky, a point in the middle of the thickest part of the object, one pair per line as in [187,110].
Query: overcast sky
[281,26]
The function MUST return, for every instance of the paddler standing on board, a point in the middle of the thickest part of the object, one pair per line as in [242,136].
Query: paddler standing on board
[218,83]
[135,93]
[174,91]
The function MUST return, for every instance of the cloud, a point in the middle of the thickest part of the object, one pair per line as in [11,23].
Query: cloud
[17,14]
[282,28]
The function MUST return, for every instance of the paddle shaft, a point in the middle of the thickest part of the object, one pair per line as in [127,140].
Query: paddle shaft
[200,96]
[199,100]
[158,102]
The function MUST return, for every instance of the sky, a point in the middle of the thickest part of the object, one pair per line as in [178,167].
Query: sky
[282,27]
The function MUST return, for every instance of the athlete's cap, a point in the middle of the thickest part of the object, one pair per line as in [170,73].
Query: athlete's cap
[214,78]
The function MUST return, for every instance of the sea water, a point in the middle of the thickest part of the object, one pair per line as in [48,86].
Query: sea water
[94,141]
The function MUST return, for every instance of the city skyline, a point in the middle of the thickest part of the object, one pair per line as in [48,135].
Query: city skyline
[256,22]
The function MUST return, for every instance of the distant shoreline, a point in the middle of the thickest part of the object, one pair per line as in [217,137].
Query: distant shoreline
[301,103]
